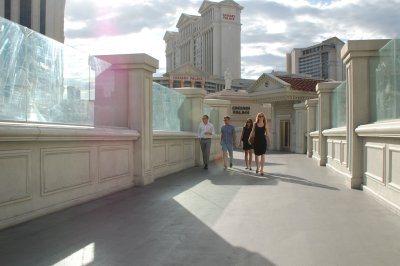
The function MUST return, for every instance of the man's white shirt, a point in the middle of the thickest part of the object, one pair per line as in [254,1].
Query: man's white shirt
[205,128]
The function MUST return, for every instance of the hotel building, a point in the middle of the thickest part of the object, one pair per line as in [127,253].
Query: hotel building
[318,61]
[206,49]
[44,16]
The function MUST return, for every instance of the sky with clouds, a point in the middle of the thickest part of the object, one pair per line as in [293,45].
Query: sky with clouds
[270,28]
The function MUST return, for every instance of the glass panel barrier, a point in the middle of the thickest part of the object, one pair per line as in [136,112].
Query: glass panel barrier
[168,111]
[385,83]
[338,105]
[213,115]
[44,81]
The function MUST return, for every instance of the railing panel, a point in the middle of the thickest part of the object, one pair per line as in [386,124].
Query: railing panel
[167,109]
[213,115]
[338,106]
[42,80]
[385,83]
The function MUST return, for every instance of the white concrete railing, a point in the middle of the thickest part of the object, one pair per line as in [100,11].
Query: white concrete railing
[336,149]
[381,143]
[315,144]
[45,169]
[48,168]
[176,151]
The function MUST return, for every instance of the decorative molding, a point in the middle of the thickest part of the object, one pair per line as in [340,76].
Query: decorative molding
[393,173]
[40,132]
[337,151]
[374,168]
[175,151]
[16,169]
[374,178]
[391,205]
[64,169]
[159,155]
[329,154]
[188,151]
[115,158]
[283,98]
[165,135]
[380,130]
[344,144]
[335,132]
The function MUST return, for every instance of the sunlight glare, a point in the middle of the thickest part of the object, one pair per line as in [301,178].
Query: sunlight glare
[82,257]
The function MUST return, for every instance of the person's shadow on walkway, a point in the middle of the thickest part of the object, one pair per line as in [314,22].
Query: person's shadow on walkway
[241,177]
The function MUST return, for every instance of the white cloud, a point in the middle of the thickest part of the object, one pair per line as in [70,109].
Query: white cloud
[74,25]
[270,28]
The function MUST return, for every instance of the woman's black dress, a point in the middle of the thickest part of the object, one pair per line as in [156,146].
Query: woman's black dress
[245,139]
[260,141]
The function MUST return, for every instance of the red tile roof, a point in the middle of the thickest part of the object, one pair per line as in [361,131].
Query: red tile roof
[301,84]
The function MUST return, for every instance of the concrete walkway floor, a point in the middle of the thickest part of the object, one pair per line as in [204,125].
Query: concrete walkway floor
[297,214]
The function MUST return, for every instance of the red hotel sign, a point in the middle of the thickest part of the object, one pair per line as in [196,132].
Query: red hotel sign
[228,16]
[183,77]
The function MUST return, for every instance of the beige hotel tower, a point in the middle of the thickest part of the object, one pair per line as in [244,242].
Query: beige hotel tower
[206,47]
[44,16]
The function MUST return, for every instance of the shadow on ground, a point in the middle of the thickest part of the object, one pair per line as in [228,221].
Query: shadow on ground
[240,176]
[139,226]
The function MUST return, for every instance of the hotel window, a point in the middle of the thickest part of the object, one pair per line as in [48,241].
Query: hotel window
[25,16]
[43,16]
[7,9]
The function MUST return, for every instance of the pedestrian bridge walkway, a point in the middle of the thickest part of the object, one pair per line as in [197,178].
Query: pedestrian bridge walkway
[296,214]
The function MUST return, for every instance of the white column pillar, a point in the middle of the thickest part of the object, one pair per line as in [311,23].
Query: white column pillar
[274,126]
[135,74]
[324,91]
[357,56]
[192,112]
[222,107]
[301,127]
[311,125]
[193,107]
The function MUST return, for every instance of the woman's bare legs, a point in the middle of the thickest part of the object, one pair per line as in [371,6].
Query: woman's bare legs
[250,157]
[257,163]
[262,164]
[246,158]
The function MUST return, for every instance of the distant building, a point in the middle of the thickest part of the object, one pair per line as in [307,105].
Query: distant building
[320,61]
[44,16]
[190,76]
[205,48]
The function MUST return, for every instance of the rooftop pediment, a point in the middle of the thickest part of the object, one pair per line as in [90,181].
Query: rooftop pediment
[205,5]
[268,83]
[185,18]
[274,88]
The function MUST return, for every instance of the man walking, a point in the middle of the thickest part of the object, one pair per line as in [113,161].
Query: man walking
[228,141]
[205,133]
